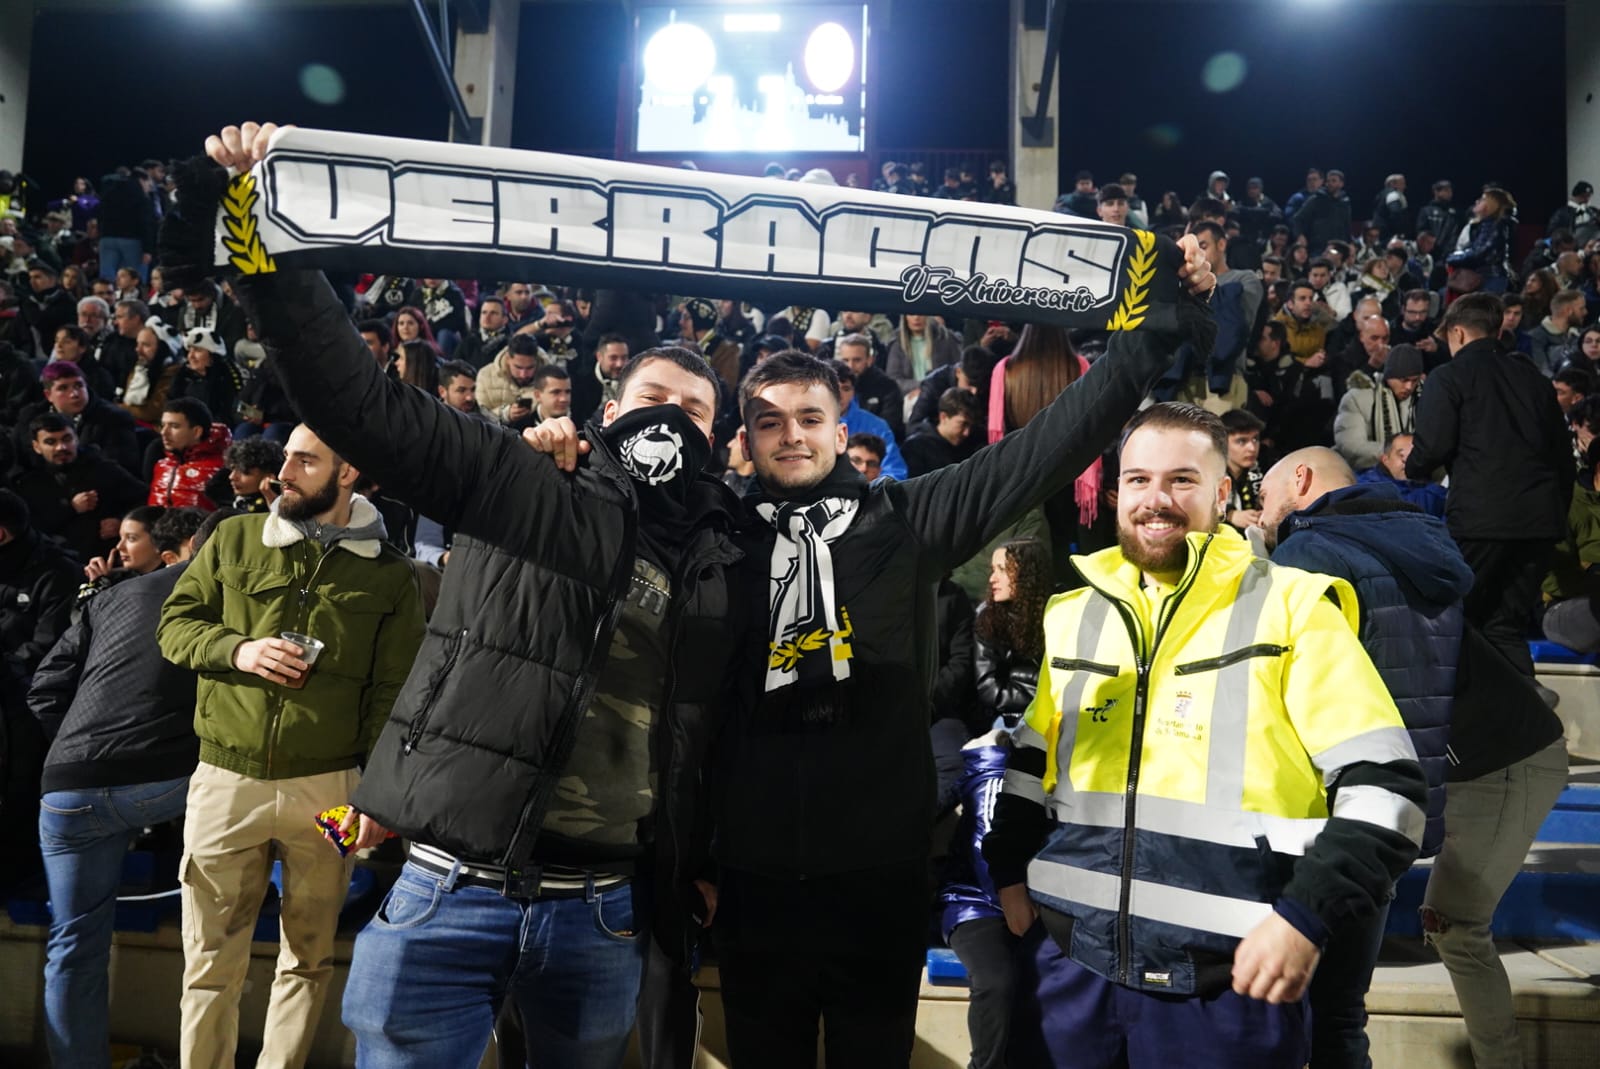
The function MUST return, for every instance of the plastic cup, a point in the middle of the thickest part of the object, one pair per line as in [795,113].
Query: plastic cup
[310,648]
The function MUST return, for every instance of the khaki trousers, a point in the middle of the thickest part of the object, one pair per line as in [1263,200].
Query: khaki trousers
[234,828]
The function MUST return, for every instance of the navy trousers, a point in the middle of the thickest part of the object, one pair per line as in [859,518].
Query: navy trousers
[1070,1018]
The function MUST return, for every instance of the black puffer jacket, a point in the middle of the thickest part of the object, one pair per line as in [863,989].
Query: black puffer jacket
[540,563]
[1490,419]
[796,800]
[1007,679]
[115,711]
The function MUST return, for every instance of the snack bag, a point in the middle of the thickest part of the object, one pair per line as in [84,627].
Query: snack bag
[329,820]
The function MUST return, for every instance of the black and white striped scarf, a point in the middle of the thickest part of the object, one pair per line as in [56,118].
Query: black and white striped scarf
[808,631]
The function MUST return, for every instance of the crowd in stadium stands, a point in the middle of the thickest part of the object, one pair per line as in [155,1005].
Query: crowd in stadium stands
[129,412]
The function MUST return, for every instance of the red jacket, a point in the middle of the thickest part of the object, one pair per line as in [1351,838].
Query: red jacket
[180,483]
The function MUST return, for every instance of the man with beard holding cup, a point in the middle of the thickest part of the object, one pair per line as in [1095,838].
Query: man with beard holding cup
[280,741]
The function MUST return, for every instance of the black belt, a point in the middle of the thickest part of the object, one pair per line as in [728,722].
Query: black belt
[532,882]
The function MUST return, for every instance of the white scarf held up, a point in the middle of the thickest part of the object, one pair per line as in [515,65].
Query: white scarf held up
[809,634]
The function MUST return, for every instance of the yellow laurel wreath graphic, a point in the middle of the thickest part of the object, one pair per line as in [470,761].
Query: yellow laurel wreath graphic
[785,655]
[1136,297]
[240,236]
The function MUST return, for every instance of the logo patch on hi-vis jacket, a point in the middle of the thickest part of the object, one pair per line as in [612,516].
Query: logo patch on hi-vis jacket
[1181,722]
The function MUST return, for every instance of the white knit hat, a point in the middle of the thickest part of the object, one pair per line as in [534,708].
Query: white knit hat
[203,338]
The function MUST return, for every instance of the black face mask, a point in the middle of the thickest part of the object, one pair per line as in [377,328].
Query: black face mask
[660,448]
[663,452]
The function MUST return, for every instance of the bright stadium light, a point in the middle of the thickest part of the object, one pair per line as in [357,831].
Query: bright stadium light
[830,57]
[679,58]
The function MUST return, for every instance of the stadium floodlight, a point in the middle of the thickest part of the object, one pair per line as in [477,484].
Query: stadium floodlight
[830,57]
[679,57]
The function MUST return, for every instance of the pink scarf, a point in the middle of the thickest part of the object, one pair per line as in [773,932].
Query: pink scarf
[1086,489]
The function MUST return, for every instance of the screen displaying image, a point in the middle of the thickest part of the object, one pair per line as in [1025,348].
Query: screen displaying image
[742,78]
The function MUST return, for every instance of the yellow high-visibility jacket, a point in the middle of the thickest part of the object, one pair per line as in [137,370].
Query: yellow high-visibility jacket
[1209,753]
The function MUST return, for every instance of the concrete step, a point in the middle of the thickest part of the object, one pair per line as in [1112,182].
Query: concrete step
[1415,1023]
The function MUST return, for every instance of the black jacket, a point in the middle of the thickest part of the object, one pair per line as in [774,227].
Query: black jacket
[1256,220]
[952,687]
[102,425]
[445,309]
[1499,717]
[115,711]
[927,452]
[223,317]
[264,391]
[19,384]
[1490,418]
[795,801]
[478,350]
[1007,680]
[1392,218]
[44,314]
[539,567]
[125,211]
[116,355]
[621,312]
[49,491]
[1445,220]
[877,393]
[217,388]
[37,585]
[588,396]
[1324,218]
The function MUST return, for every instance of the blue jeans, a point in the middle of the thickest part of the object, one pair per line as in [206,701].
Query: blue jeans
[272,432]
[84,835]
[122,252]
[432,968]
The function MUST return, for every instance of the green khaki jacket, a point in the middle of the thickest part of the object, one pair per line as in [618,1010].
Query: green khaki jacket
[1573,572]
[258,576]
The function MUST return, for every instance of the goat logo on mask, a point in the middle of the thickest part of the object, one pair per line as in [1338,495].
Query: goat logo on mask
[654,455]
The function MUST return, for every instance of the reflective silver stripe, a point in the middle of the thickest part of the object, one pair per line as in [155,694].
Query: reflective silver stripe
[1025,786]
[1090,624]
[1380,745]
[1153,901]
[1377,805]
[1230,697]
[1223,826]
[1025,737]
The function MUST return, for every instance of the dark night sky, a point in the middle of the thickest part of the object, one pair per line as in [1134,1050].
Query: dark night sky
[1471,93]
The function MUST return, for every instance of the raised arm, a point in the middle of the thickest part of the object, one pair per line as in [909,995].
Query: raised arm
[427,454]
[432,457]
[957,510]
